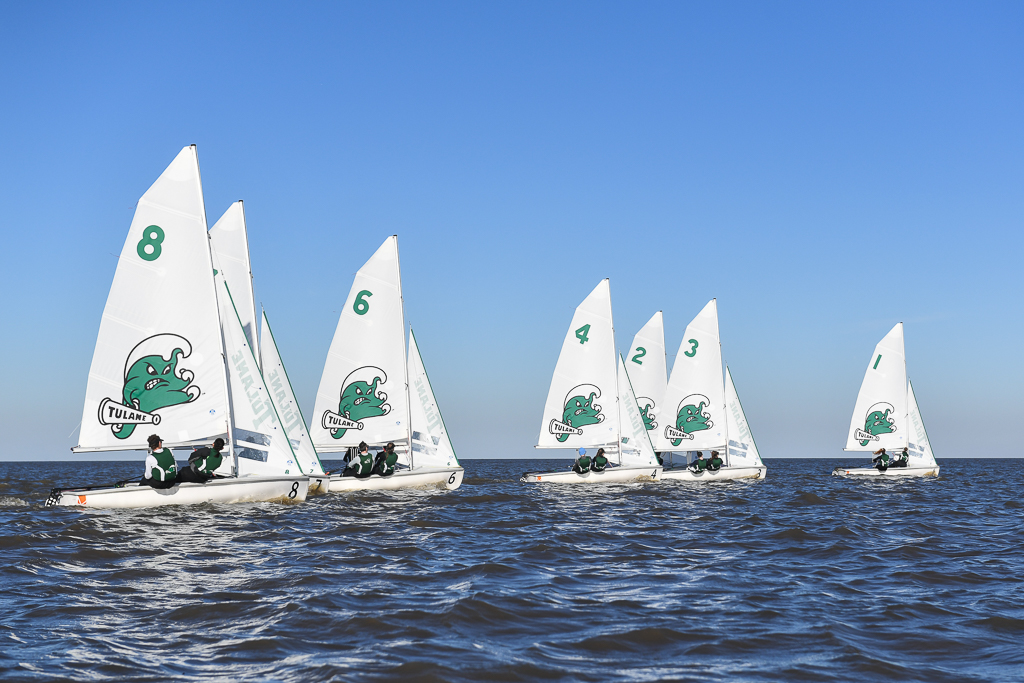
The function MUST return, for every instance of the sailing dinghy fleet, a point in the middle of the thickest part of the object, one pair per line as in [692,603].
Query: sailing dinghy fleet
[178,353]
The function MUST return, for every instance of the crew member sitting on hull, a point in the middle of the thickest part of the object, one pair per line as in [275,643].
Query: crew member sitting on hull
[384,465]
[600,462]
[361,464]
[161,470]
[902,459]
[700,464]
[715,463]
[582,464]
[202,463]
[661,460]
[881,460]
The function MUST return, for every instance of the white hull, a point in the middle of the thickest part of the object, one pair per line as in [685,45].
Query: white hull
[612,475]
[931,471]
[428,477]
[319,484]
[723,474]
[227,490]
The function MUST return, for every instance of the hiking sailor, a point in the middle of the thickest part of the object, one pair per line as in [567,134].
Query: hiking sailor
[901,459]
[161,470]
[881,460]
[582,464]
[600,462]
[360,464]
[700,464]
[715,463]
[384,465]
[202,463]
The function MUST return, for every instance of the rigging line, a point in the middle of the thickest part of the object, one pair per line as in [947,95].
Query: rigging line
[75,429]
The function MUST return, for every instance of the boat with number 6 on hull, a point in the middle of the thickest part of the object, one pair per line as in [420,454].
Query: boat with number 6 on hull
[373,391]
[588,371]
[887,416]
[172,357]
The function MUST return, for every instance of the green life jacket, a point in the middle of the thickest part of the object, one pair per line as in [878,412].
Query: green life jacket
[166,468]
[715,463]
[599,463]
[699,464]
[387,465]
[361,463]
[211,462]
[583,464]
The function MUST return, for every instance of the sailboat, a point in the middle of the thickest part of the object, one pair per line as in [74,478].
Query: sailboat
[886,415]
[591,403]
[702,410]
[171,355]
[229,240]
[372,391]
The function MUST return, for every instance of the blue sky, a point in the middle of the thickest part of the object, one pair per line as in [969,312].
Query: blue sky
[824,169]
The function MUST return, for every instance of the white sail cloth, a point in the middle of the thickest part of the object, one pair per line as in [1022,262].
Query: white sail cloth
[741,449]
[157,366]
[919,447]
[580,410]
[635,447]
[431,446]
[647,370]
[880,415]
[230,242]
[363,389]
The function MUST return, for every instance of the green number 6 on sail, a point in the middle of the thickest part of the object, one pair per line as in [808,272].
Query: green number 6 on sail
[361,306]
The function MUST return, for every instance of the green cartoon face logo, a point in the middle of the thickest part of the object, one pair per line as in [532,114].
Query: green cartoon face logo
[877,421]
[153,379]
[360,399]
[578,411]
[690,417]
[647,408]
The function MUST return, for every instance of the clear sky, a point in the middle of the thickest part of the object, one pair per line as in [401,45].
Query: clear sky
[824,169]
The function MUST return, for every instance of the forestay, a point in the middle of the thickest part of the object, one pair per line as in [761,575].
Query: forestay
[158,364]
[283,395]
[230,241]
[880,415]
[580,410]
[431,446]
[919,448]
[635,447]
[646,364]
[742,452]
[693,418]
[362,394]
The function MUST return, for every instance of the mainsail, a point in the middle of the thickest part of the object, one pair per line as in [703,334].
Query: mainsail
[880,415]
[635,447]
[363,393]
[693,416]
[741,450]
[230,242]
[283,395]
[431,446]
[158,363]
[918,446]
[580,410]
[646,364]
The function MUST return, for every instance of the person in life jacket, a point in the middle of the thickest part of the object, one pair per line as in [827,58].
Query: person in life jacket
[881,460]
[716,462]
[600,462]
[384,465]
[661,460]
[902,459]
[700,464]
[582,464]
[161,470]
[202,463]
[360,464]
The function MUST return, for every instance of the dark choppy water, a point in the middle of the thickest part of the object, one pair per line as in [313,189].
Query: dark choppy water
[802,577]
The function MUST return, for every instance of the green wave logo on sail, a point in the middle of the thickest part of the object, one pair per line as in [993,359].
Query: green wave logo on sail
[877,421]
[152,381]
[690,418]
[647,408]
[360,399]
[578,411]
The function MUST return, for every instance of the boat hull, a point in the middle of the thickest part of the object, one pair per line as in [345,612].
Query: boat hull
[612,475]
[449,478]
[932,471]
[723,474]
[227,490]
[319,484]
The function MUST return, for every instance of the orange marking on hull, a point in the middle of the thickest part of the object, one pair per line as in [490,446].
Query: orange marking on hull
[81,500]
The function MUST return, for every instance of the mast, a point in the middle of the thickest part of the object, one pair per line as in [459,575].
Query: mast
[405,353]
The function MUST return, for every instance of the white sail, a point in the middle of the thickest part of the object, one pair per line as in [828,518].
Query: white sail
[363,391]
[880,415]
[261,444]
[741,449]
[635,447]
[230,243]
[158,365]
[431,446]
[693,417]
[646,364]
[919,447]
[580,410]
[283,395]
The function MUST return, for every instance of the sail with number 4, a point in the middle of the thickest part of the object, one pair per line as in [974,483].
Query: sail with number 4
[580,410]
[741,449]
[158,363]
[880,414]
[647,370]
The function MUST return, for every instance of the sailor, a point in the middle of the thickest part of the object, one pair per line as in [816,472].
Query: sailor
[700,464]
[202,463]
[386,459]
[661,460]
[600,462]
[360,464]
[582,464]
[902,459]
[715,463]
[161,470]
[881,460]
